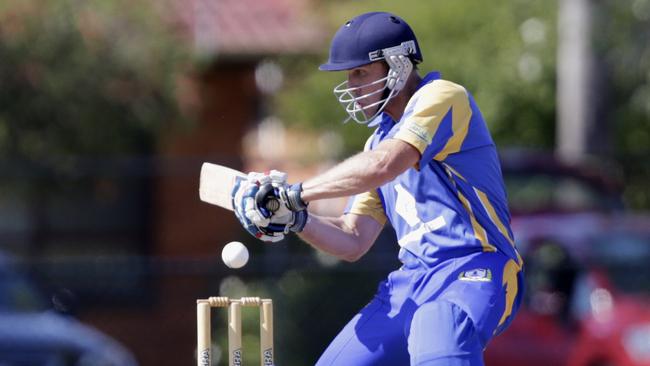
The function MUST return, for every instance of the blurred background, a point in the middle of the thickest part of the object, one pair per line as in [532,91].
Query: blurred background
[109,107]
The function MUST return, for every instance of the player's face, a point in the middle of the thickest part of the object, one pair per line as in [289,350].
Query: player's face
[361,78]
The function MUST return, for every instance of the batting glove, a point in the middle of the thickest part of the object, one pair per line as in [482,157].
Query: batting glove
[291,197]
[282,204]
[245,208]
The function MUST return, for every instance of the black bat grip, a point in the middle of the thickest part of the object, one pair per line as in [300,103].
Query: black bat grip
[266,199]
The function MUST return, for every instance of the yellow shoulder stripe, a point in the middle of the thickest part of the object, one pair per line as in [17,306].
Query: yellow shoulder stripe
[479,231]
[461,114]
[432,103]
[493,215]
[369,204]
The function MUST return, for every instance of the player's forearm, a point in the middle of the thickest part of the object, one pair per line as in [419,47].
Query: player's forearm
[360,173]
[333,236]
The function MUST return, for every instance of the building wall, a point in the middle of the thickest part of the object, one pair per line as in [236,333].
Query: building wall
[187,234]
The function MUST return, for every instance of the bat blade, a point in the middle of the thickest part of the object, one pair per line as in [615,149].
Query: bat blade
[216,184]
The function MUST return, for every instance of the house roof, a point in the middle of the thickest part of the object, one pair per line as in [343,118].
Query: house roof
[250,27]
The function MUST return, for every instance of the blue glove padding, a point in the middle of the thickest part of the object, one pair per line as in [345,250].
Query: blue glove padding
[299,222]
[272,203]
[291,197]
[243,203]
[261,205]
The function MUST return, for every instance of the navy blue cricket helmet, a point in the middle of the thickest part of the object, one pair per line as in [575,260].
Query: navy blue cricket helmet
[361,40]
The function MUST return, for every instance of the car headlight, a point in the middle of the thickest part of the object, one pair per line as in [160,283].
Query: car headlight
[636,340]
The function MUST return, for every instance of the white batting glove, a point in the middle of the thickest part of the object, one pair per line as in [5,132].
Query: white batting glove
[245,209]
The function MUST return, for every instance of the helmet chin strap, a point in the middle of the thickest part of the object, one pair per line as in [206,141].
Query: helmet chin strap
[400,68]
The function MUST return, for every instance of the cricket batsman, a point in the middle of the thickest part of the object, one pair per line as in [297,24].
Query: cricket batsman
[431,169]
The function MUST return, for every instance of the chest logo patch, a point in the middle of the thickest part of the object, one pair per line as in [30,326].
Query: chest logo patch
[476,275]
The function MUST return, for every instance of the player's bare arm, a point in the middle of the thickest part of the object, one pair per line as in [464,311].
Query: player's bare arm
[347,237]
[362,172]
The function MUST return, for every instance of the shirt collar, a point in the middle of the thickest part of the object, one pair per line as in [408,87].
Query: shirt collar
[384,121]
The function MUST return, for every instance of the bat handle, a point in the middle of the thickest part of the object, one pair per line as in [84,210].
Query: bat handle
[266,199]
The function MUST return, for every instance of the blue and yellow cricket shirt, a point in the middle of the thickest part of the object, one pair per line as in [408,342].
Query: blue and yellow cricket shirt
[453,202]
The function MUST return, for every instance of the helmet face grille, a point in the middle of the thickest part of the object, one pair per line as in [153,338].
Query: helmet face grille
[351,104]
[400,68]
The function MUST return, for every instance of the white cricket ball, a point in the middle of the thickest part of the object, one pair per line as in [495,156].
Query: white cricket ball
[234,254]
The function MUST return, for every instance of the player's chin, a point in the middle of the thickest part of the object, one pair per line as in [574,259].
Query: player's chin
[369,112]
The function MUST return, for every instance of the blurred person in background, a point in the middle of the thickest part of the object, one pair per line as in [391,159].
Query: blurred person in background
[431,169]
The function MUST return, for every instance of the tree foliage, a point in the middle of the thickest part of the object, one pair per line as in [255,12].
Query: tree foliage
[622,42]
[84,78]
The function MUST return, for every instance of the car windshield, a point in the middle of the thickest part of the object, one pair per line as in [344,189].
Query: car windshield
[625,256]
[533,193]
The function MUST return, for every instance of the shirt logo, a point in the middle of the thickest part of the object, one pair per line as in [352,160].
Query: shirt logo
[418,131]
[476,275]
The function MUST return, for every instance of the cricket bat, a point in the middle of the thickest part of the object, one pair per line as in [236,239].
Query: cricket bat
[216,184]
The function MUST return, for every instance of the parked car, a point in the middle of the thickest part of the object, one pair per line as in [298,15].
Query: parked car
[31,334]
[538,182]
[587,299]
